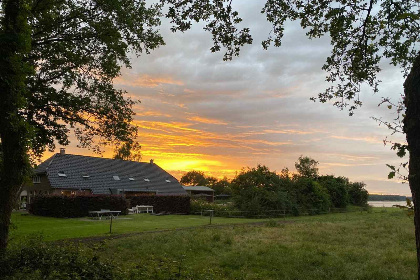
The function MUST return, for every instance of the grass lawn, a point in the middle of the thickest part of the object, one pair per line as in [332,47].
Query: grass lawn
[360,245]
[24,225]
[378,245]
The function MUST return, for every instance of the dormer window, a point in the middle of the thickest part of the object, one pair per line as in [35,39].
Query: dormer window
[36,179]
[116,178]
[146,180]
[61,174]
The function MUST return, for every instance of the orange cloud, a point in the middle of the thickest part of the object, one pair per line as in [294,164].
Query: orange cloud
[147,81]
[289,131]
[152,114]
[206,120]
[365,139]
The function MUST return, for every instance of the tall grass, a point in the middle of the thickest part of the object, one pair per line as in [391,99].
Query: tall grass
[359,245]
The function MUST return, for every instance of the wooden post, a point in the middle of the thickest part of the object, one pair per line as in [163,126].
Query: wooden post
[110,225]
[211,215]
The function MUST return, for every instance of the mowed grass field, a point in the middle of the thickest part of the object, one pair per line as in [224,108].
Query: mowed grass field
[359,245]
[24,225]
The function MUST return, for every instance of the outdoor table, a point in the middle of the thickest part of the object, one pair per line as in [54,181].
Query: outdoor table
[101,213]
[144,208]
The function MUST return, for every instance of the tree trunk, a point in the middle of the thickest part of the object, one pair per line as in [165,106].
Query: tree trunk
[412,131]
[14,45]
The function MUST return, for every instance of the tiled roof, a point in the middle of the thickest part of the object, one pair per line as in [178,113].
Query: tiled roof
[99,175]
[197,188]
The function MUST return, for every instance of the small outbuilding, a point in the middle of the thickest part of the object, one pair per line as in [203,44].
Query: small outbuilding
[200,192]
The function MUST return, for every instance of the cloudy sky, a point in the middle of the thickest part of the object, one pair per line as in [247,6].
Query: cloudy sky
[198,112]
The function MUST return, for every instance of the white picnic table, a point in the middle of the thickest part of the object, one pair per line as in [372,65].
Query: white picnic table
[104,213]
[142,209]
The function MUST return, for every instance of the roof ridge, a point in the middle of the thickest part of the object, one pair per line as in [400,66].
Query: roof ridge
[105,158]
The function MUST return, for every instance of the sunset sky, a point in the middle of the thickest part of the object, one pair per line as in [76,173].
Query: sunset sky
[198,112]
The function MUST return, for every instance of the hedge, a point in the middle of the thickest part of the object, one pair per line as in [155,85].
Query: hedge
[36,260]
[76,206]
[164,203]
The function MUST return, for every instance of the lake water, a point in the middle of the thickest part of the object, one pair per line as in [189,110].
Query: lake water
[386,203]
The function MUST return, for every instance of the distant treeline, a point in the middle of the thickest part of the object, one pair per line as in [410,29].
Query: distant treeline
[387,197]
[259,190]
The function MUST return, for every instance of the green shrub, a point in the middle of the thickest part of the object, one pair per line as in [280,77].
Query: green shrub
[311,197]
[221,210]
[76,206]
[358,195]
[37,260]
[262,202]
[337,189]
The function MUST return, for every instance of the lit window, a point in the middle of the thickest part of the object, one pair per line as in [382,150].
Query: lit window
[116,178]
[36,179]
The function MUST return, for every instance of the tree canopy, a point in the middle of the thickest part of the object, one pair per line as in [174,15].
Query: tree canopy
[77,49]
[194,178]
[58,60]
[128,151]
[307,167]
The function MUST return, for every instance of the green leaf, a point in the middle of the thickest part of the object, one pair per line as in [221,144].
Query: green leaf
[391,175]
[391,166]
[401,152]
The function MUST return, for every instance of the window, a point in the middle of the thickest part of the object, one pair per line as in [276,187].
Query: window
[116,178]
[36,179]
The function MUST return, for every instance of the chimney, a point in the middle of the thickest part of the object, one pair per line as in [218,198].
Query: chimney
[62,151]
[151,161]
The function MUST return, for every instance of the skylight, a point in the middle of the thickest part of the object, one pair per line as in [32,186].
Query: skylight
[147,180]
[61,174]
[116,178]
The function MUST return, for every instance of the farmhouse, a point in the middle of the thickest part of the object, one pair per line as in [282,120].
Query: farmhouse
[69,174]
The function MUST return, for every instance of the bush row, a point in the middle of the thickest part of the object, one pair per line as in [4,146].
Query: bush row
[79,206]
[199,205]
[76,206]
[259,190]
[179,204]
